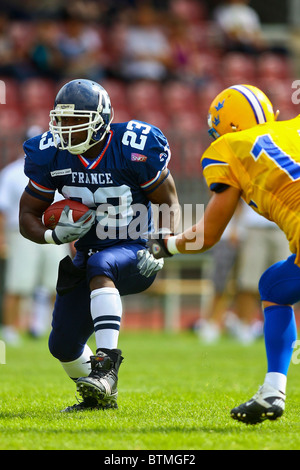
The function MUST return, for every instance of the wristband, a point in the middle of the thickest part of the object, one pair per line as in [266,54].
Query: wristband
[48,237]
[171,245]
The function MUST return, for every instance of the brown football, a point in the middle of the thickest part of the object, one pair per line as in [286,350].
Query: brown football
[52,213]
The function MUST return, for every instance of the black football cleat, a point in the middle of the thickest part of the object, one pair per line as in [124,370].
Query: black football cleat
[101,384]
[267,403]
[86,405]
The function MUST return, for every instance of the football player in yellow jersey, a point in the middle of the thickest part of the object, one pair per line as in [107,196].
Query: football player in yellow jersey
[257,158]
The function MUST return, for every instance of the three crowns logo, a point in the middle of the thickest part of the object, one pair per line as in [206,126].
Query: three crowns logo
[219,106]
[216,120]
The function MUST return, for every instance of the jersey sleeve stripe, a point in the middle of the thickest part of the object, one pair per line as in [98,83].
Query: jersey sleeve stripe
[42,188]
[210,161]
[148,183]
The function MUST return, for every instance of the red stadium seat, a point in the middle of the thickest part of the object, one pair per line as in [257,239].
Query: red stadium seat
[206,94]
[143,95]
[36,93]
[11,88]
[237,68]
[155,117]
[272,66]
[179,97]
[117,91]
[11,120]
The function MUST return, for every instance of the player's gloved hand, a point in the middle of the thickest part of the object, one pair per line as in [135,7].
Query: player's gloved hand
[157,244]
[67,230]
[147,264]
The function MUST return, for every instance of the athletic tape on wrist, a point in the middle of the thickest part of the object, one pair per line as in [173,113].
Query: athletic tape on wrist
[48,237]
[171,245]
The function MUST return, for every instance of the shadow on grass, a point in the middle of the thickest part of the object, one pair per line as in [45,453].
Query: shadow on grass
[56,423]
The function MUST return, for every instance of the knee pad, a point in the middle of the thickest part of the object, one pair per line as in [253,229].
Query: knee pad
[280,283]
[62,349]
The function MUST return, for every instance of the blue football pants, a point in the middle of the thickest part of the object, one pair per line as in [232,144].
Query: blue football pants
[72,323]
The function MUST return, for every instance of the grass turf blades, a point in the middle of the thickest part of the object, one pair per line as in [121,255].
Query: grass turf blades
[174,393]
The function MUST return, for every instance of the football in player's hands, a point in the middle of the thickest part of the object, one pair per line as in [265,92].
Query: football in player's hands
[52,214]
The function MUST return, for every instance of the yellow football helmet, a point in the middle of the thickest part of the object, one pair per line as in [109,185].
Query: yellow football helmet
[237,108]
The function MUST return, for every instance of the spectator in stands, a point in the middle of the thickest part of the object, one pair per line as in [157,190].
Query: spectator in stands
[240,27]
[146,51]
[45,54]
[80,45]
[6,46]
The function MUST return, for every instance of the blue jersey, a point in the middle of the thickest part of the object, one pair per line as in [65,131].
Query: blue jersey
[115,184]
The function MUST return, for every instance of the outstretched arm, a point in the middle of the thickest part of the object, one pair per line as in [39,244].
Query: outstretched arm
[206,232]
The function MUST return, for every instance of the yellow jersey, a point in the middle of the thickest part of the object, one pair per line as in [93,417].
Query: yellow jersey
[264,163]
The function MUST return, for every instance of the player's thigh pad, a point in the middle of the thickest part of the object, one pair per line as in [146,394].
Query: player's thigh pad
[280,283]
[119,263]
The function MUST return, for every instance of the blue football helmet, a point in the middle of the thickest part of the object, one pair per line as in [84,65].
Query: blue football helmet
[81,98]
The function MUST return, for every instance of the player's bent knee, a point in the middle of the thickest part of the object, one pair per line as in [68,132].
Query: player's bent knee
[280,283]
[269,292]
[61,350]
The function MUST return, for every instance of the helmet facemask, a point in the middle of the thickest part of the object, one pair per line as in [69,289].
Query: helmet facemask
[95,126]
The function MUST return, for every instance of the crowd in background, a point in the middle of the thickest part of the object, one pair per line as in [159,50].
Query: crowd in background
[161,62]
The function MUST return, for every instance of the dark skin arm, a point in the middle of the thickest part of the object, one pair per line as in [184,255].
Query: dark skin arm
[166,194]
[30,216]
[31,208]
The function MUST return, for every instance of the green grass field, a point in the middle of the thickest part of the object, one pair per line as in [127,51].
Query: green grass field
[174,394]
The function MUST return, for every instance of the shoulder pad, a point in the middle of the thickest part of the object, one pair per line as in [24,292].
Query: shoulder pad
[142,142]
[41,148]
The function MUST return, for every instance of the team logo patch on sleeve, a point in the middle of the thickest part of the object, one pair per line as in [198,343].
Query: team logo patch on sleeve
[137,157]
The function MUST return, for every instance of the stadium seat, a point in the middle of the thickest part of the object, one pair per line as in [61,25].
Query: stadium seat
[178,97]
[237,68]
[272,66]
[11,88]
[11,120]
[37,92]
[206,94]
[143,95]
[122,115]
[155,117]
[38,117]
[117,91]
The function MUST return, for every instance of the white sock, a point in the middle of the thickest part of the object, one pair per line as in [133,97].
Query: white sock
[79,367]
[276,380]
[106,311]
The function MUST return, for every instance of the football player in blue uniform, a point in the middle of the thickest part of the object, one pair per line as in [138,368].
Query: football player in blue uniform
[117,170]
